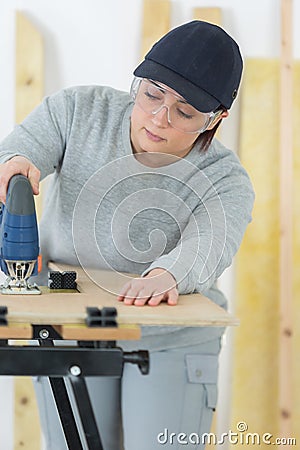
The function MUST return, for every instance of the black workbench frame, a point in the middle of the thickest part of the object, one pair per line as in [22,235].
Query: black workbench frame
[75,362]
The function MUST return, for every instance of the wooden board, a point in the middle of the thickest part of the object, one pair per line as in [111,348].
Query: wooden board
[256,358]
[76,332]
[156,22]
[16,331]
[27,434]
[63,308]
[286,220]
[83,333]
[29,75]
[29,93]
[29,67]
[211,15]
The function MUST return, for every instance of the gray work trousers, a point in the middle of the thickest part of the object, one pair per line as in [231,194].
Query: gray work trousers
[170,408]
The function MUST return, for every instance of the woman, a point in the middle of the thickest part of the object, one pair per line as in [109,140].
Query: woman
[140,185]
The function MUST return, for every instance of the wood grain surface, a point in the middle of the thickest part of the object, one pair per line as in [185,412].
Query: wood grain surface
[70,308]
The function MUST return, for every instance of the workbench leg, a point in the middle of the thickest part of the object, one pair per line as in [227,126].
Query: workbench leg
[84,407]
[65,413]
[86,413]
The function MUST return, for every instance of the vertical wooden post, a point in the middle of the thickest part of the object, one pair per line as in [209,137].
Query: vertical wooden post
[286,222]
[29,74]
[29,91]
[156,22]
[29,67]
[211,15]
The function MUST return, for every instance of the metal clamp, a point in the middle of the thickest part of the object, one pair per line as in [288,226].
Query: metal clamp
[139,357]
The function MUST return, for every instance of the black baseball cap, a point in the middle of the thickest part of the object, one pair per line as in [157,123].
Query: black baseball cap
[198,60]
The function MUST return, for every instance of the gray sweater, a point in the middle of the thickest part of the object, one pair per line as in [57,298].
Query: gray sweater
[106,209]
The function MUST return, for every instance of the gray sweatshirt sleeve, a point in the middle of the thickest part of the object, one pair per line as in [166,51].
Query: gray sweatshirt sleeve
[41,137]
[213,234]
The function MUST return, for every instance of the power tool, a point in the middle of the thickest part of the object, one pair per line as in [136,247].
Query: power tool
[19,239]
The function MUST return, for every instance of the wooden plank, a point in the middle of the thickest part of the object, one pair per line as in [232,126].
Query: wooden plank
[192,310]
[296,254]
[29,75]
[70,308]
[29,67]
[29,92]
[257,285]
[26,424]
[212,15]
[82,333]
[256,349]
[156,22]
[286,220]
[16,331]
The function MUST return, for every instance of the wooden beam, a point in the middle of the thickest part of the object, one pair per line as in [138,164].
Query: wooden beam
[29,67]
[58,308]
[286,220]
[29,92]
[212,15]
[29,74]
[156,22]
[84,333]
[16,331]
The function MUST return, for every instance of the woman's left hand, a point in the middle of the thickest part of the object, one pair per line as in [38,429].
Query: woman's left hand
[157,286]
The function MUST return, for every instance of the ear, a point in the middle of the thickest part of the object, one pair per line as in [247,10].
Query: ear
[222,115]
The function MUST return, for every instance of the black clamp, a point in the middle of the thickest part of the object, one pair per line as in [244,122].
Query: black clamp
[105,317]
[62,280]
[141,358]
[3,315]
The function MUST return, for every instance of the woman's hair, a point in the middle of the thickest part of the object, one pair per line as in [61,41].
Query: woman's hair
[205,139]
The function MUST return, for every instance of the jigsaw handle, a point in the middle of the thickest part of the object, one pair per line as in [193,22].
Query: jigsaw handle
[19,199]
[18,229]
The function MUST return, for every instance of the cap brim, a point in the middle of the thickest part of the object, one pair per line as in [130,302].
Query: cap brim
[193,94]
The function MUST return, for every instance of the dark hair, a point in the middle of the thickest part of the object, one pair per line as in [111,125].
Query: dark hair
[205,139]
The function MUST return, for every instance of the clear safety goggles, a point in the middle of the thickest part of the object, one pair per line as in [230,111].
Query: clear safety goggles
[152,97]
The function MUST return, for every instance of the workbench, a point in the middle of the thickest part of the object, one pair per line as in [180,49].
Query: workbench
[93,320]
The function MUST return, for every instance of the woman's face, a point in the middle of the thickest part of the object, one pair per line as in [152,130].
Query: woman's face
[152,133]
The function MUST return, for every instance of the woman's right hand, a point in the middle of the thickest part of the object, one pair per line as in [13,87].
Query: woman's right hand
[14,166]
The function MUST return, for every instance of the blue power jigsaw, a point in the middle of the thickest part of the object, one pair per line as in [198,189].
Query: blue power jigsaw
[19,239]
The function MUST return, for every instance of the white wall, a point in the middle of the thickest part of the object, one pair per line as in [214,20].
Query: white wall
[97,41]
